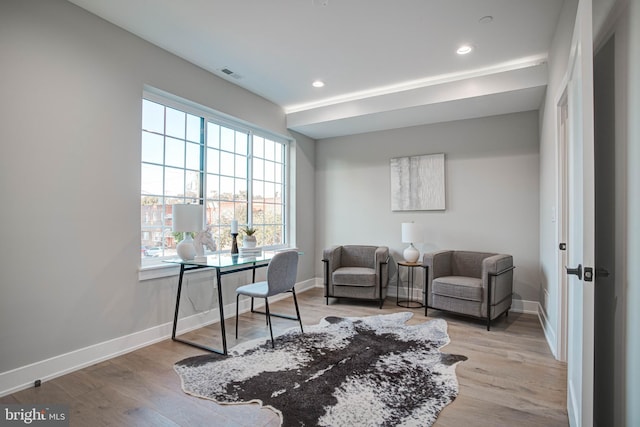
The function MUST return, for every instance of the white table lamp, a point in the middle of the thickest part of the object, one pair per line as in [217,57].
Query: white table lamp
[187,218]
[411,233]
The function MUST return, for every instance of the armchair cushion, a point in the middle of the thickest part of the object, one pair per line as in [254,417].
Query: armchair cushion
[466,288]
[354,276]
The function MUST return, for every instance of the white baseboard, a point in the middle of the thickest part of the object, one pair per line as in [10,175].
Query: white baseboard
[549,332]
[517,305]
[24,377]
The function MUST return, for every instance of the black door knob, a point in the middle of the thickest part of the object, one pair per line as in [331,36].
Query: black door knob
[576,271]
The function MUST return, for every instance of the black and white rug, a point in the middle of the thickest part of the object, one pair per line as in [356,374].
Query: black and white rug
[366,371]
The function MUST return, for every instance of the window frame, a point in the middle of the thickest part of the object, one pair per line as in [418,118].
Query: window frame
[160,269]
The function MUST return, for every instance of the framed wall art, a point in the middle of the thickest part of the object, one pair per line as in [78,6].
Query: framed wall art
[417,183]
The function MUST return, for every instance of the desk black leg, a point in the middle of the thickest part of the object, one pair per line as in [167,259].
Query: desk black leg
[220,306]
[175,317]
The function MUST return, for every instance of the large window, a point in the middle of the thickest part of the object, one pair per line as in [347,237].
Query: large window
[192,156]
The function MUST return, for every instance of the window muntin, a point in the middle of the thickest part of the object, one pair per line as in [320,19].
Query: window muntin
[195,157]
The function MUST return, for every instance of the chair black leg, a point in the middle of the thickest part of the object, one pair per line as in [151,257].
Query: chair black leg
[266,302]
[295,301]
[488,323]
[237,306]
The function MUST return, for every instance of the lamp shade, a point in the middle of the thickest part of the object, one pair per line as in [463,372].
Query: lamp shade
[187,218]
[411,232]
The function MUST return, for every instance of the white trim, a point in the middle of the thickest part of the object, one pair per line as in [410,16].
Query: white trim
[549,332]
[525,306]
[24,377]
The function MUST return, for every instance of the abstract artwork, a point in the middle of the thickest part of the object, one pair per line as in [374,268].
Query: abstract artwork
[417,183]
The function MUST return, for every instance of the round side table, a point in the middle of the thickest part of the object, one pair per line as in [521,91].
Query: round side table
[409,301]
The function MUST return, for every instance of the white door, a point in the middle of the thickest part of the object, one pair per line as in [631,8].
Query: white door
[581,232]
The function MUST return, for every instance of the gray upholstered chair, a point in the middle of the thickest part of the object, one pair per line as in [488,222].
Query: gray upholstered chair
[356,271]
[281,277]
[477,284]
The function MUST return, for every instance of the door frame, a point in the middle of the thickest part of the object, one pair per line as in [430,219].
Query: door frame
[562,218]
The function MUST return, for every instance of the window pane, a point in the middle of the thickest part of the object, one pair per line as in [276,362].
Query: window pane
[213,183]
[226,188]
[241,189]
[193,128]
[279,192]
[269,191]
[213,135]
[269,171]
[242,142]
[227,139]
[241,213]
[193,184]
[152,148]
[258,146]
[269,213]
[279,152]
[278,237]
[277,172]
[175,123]
[152,116]
[174,149]
[193,156]
[241,166]
[213,161]
[269,150]
[173,182]
[258,168]
[258,190]
[150,211]
[211,213]
[258,213]
[151,180]
[226,163]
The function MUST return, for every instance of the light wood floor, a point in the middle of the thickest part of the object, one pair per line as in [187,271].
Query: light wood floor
[510,378]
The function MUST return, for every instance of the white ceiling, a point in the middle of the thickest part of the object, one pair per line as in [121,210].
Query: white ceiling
[386,63]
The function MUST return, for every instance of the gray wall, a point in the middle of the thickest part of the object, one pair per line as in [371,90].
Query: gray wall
[492,173]
[70,118]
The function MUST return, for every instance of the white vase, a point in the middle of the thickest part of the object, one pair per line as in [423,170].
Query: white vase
[249,242]
[186,250]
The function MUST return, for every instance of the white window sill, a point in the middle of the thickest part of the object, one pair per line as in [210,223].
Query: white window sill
[158,271]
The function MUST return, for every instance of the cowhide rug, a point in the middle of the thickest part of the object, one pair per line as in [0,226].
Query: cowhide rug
[365,371]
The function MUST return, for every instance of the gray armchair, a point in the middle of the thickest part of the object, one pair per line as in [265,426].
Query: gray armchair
[356,271]
[477,284]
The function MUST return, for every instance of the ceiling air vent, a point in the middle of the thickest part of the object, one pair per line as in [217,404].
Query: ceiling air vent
[230,73]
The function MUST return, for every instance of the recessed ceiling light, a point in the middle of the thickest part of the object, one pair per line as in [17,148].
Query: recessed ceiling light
[486,19]
[464,49]
[318,83]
